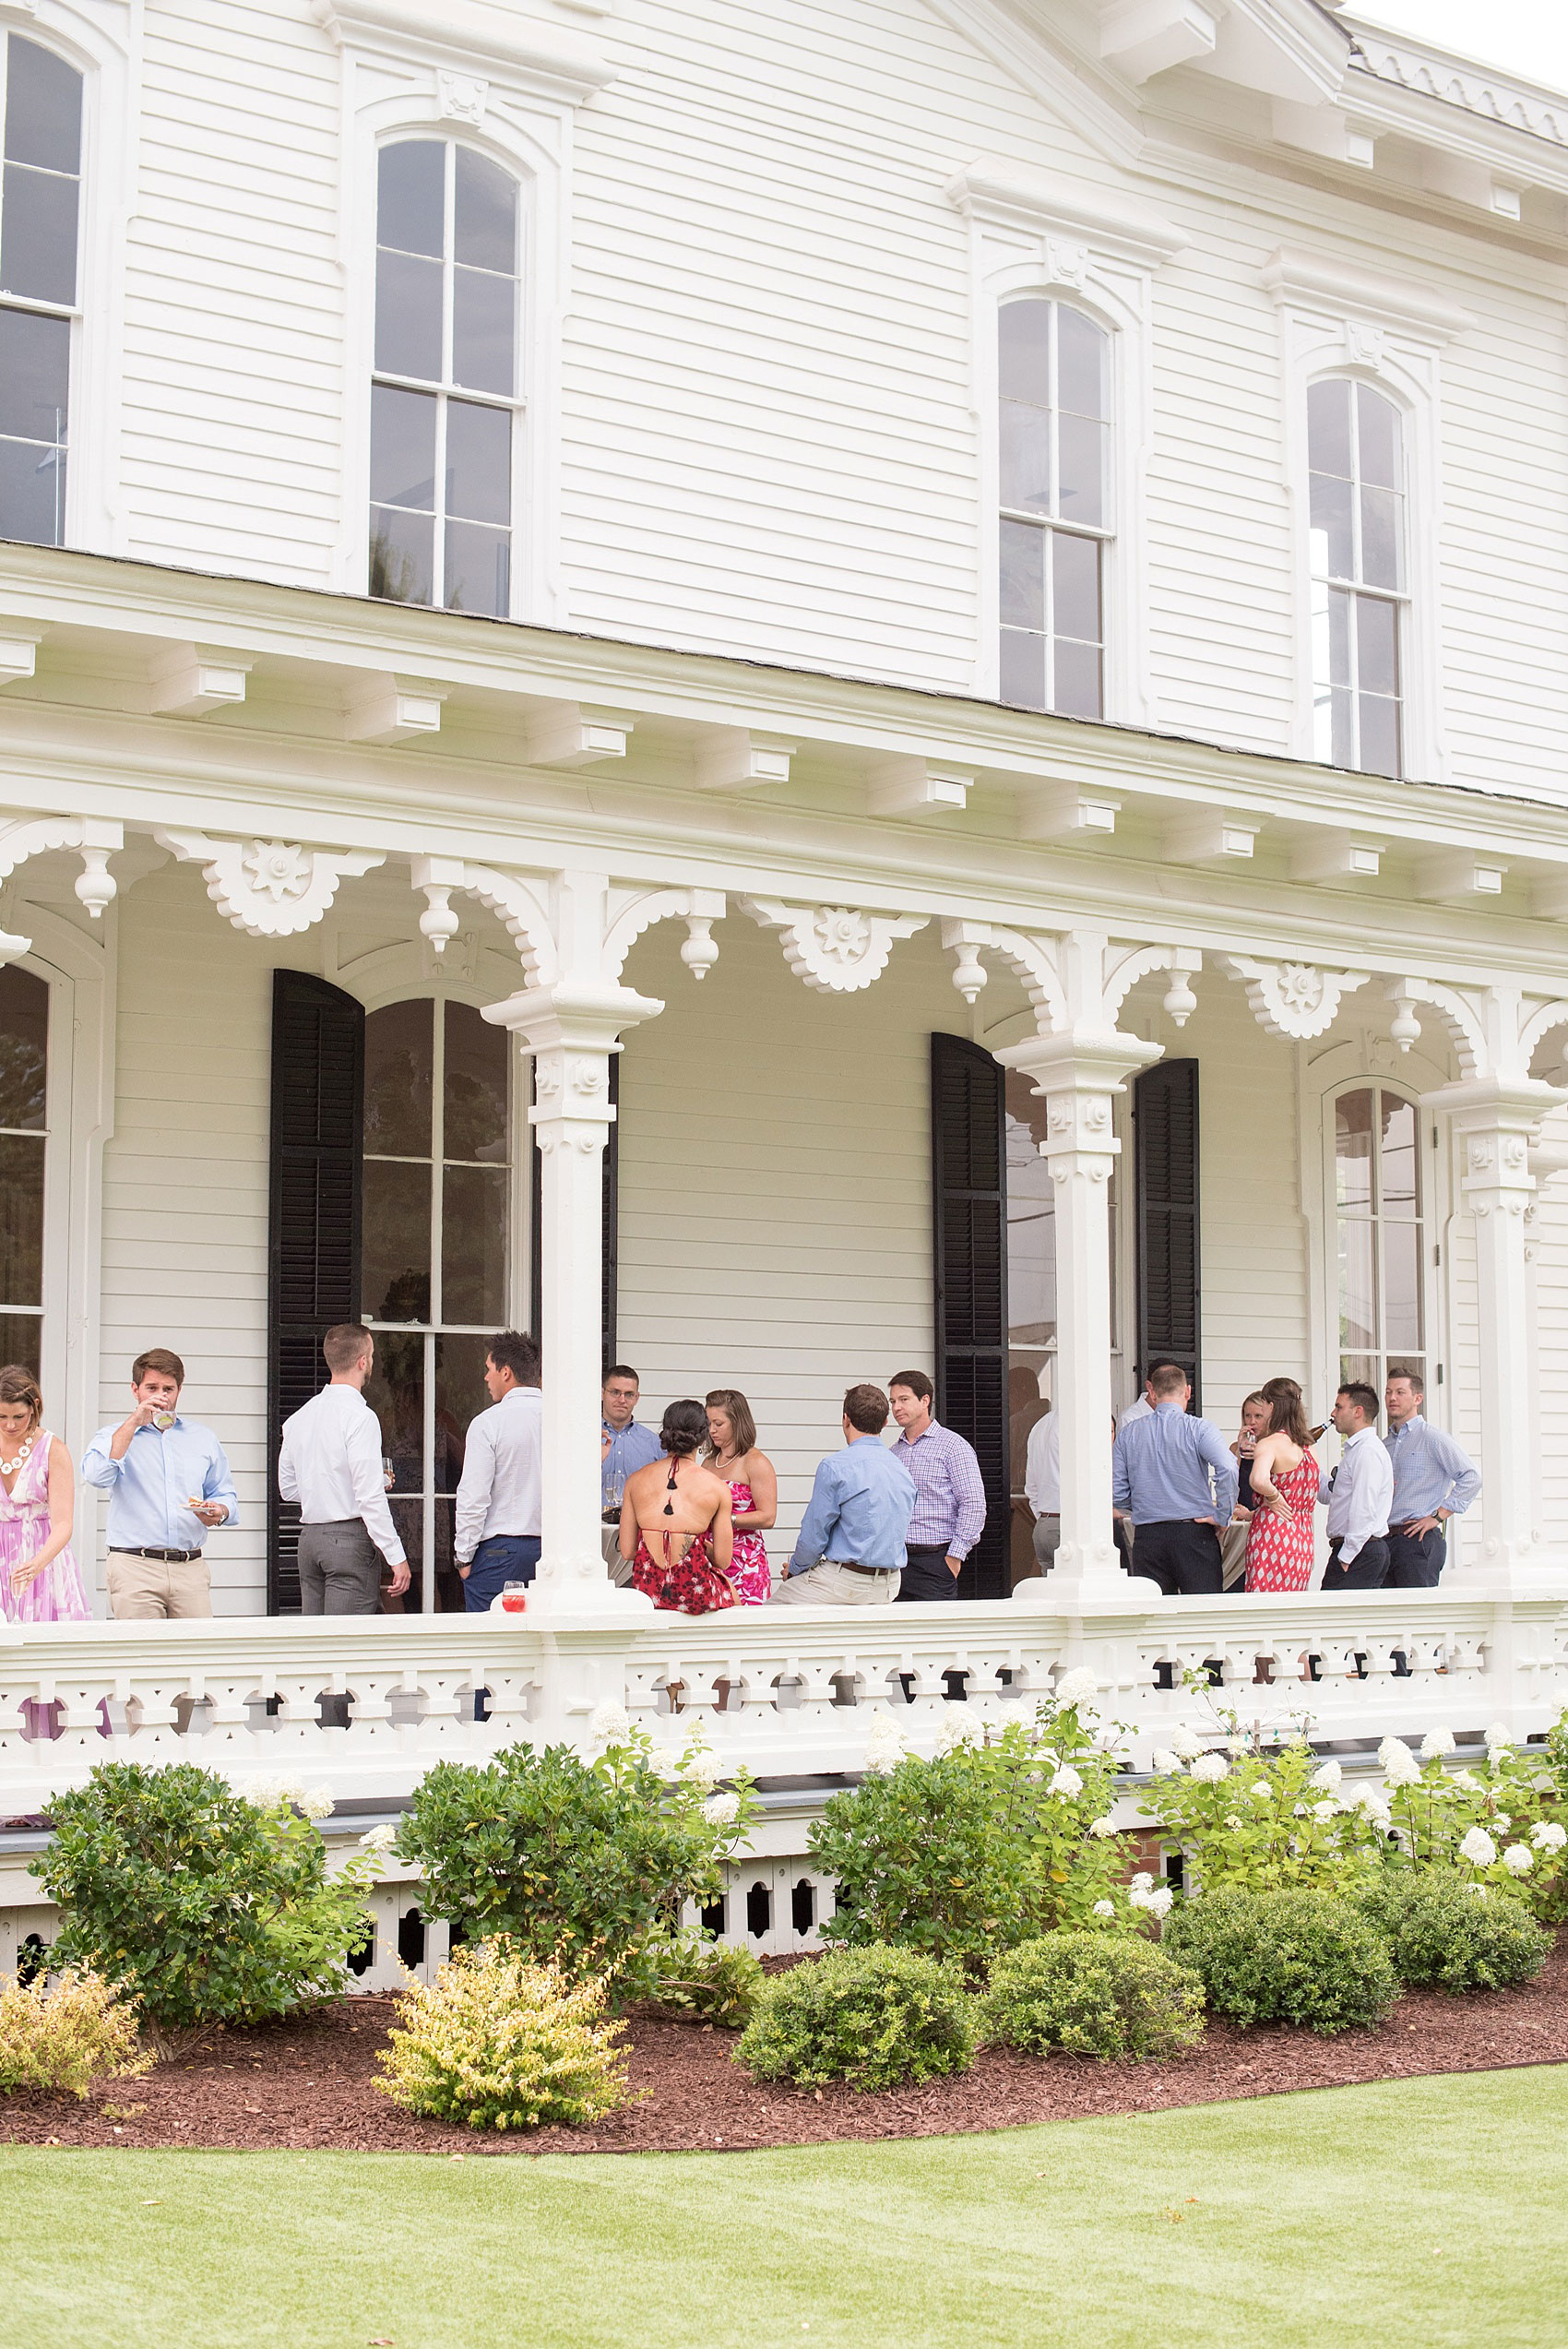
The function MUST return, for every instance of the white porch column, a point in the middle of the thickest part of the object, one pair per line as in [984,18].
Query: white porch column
[572,1029]
[1497,1119]
[1079,1075]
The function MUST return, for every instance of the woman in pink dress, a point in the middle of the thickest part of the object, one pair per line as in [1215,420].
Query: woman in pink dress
[1284,1481]
[38,1581]
[754,1490]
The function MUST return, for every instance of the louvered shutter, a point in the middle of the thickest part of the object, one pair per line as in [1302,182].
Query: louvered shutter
[1165,1131]
[316,1145]
[969,1225]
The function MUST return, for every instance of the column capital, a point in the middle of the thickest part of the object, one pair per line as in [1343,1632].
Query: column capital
[1079,1072]
[574,1016]
[1499,1120]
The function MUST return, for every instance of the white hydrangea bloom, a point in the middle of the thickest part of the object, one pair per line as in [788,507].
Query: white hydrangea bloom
[318,1802]
[884,1744]
[1504,1821]
[1327,1775]
[1166,1762]
[1078,1687]
[700,1770]
[1106,1826]
[1298,1811]
[1233,1819]
[1161,1902]
[609,1723]
[1327,1809]
[1478,1848]
[1400,1766]
[1105,1908]
[1436,1743]
[1067,1784]
[379,1839]
[1186,1745]
[1466,1780]
[721,1811]
[1209,1768]
[1497,1735]
[1371,1800]
[953,1734]
[1548,1836]
[1518,1859]
[264,1792]
[1261,1791]
[1141,1882]
[1237,1745]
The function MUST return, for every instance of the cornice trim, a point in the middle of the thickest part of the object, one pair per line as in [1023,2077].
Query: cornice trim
[476,32]
[1012,195]
[1317,284]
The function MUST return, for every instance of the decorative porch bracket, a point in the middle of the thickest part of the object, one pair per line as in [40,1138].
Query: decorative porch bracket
[95,838]
[268,888]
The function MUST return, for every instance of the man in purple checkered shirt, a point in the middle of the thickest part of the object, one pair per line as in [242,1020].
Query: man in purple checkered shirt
[950,1506]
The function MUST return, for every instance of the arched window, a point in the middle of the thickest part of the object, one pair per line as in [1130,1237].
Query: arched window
[443,403]
[39,205]
[1378,1214]
[1054,371]
[1355,450]
[435,1270]
[24,1065]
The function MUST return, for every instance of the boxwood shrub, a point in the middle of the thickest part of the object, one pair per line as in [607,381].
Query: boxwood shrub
[876,2018]
[1453,1936]
[1093,1994]
[1289,1956]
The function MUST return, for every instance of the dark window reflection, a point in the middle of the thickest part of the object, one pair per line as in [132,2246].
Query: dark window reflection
[476,1085]
[397,1081]
[24,1046]
[396,1258]
[21,1339]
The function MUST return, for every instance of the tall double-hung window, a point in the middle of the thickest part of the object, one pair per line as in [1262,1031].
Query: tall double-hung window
[445,401]
[1356,453]
[39,222]
[1380,1222]
[1054,381]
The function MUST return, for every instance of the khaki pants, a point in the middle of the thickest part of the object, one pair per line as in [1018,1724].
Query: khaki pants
[836,1586]
[610,1543]
[155,1589]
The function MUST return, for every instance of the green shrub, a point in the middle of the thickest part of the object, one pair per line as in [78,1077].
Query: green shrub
[1453,1936]
[1092,1994]
[876,2018]
[688,1976]
[64,2038]
[575,1863]
[990,1844]
[1489,1821]
[1292,1956]
[501,2044]
[203,1906]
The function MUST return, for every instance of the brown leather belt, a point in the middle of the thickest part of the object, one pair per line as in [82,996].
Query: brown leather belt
[850,1567]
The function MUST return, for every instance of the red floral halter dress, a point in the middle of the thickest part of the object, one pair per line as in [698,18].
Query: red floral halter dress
[1279,1549]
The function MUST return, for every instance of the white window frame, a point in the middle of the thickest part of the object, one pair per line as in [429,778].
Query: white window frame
[1357,590]
[1342,323]
[97,37]
[1034,236]
[509,89]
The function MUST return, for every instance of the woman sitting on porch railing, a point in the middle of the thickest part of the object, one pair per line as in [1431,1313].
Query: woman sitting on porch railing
[676,1524]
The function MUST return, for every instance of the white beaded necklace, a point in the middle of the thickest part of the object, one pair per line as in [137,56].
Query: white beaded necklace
[9,1467]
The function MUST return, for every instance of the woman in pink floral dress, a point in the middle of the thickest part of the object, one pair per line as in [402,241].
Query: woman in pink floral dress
[1284,1481]
[38,1581]
[754,1490]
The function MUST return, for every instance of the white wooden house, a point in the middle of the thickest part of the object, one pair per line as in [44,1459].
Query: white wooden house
[1021,543]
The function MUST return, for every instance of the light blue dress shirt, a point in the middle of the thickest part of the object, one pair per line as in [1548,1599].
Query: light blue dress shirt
[859,1509]
[1160,1468]
[148,1490]
[1430,1471]
[634,1447]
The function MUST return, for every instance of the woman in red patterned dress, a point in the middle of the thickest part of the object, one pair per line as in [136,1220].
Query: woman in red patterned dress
[1284,1481]
[676,1529]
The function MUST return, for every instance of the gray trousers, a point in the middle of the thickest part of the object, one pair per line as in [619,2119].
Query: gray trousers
[340,1569]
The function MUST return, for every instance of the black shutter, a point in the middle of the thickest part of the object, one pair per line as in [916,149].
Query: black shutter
[314,1209]
[1165,1131]
[970,1227]
[610,1274]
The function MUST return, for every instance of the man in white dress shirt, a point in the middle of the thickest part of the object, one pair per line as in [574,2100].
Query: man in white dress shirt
[1359,1495]
[1042,1487]
[498,1492]
[330,1463]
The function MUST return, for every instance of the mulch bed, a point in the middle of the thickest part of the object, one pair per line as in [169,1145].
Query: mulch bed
[311,2083]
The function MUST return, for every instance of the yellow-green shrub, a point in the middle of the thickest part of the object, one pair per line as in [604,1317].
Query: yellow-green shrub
[68,2035]
[499,2042]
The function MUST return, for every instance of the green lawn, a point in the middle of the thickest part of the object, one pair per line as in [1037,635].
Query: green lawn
[1427,2212]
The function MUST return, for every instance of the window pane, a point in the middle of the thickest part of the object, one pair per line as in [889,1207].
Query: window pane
[395,1391]
[1358,1309]
[1333,546]
[461,1395]
[24,1047]
[1342,731]
[399,1080]
[1081,351]
[476,1086]
[402,556]
[1026,457]
[21,1218]
[1022,669]
[1379,725]
[1377,434]
[402,448]
[21,1339]
[1024,351]
[410,196]
[1383,532]
[1401,1287]
[408,316]
[479,462]
[409,1519]
[484,331]
[1075,572]
[395,1264]
[32,492]
[478,569]
[1353,1152]
[1031,1221]
[1398,1164]
[1023,576]
[1078,686]
[35,359]
[1363,1369]
[1080,457]
[43,108]
[473,1244]
[38,235]
[1328,427]
[1377,645]
[484,229]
